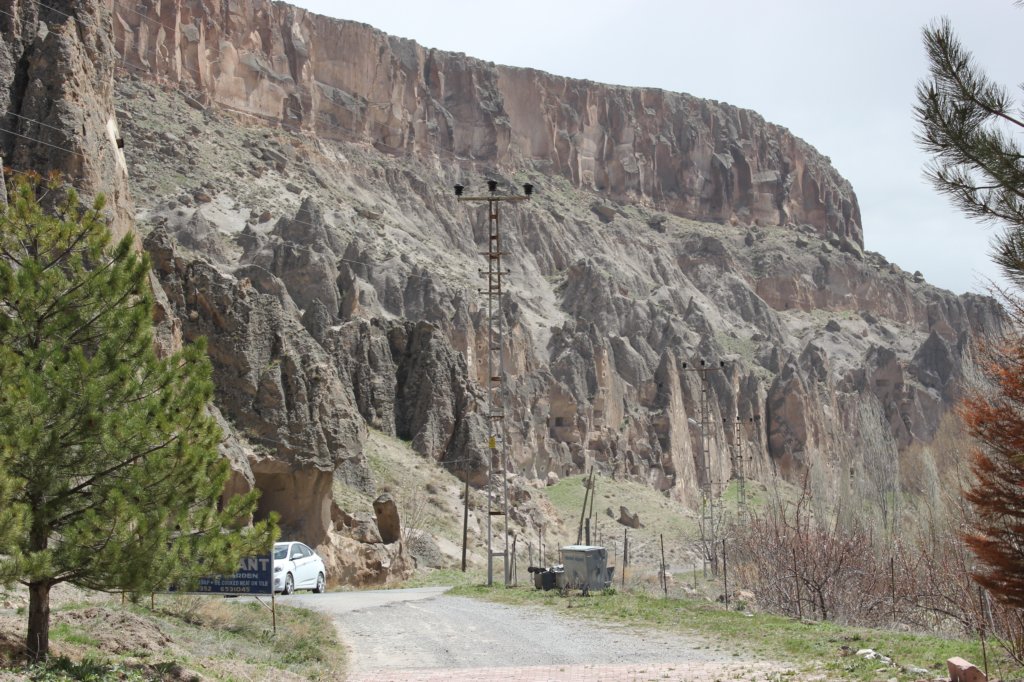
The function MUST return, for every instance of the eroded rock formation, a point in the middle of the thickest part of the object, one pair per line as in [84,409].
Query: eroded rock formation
[314,243]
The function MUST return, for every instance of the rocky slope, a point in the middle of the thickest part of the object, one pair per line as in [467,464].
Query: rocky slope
[292,176]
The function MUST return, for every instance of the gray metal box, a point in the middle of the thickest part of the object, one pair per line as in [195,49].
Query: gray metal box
[586,567]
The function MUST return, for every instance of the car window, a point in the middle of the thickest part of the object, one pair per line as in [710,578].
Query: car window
[280,552]
[306,551]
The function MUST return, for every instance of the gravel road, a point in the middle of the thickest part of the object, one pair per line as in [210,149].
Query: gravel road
[423,634]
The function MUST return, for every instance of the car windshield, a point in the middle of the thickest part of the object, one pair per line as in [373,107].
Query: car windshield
[280,551]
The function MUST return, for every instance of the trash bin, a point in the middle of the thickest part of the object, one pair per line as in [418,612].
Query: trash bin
[548,580]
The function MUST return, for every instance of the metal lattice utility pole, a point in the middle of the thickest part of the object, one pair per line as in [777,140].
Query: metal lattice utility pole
[737,466]
[739,461]
[705,468]
[709,519]
[496,397]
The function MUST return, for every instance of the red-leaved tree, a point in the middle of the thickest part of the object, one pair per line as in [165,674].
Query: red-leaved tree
[995,417]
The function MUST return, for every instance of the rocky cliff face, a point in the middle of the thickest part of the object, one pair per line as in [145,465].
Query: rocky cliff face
[346,81]
[57,61]
[292,173]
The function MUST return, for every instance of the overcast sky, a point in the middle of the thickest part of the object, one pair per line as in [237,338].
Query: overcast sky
[840,75]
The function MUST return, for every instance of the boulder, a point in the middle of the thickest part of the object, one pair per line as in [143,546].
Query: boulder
[961,670]
[872,655]
[359,564]
[605,213]
[388,522]
[629,519]
[425,551]
[361,527]
[551,479]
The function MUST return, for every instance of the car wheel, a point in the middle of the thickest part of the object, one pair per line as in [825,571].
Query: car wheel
[289,585]
[321,584]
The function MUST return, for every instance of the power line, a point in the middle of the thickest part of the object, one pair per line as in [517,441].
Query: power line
[48,144]
[32,120]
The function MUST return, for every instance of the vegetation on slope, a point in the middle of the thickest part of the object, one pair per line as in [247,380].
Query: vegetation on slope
[813,646]
[102,638]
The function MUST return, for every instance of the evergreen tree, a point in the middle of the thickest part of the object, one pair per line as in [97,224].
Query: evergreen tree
[109,473]
[971,127]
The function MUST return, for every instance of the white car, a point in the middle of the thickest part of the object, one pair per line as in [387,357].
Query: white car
[297,567]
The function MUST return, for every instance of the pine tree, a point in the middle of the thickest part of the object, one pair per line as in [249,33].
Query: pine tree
[109,471]
[969,125]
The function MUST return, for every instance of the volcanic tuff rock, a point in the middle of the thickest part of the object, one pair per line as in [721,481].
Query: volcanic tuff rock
[313,242]
[346,81]
[58,64]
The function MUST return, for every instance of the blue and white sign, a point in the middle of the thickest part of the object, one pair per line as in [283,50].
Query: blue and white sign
[255,575]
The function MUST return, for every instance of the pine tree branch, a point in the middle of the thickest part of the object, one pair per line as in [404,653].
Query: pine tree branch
[117,467]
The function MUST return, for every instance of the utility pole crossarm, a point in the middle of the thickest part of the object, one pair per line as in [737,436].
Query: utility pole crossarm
[496,197]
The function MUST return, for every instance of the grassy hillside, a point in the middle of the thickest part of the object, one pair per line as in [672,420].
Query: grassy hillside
[430,500]
[428,496]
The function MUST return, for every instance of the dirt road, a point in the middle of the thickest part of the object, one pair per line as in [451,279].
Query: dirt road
[422,634]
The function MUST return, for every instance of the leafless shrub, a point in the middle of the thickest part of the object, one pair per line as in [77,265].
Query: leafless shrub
[800,564]
[414,511]
[803,567]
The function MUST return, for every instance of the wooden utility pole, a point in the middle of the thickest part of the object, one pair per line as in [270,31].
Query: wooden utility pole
[593,493]
[725,573]
[465,517]
[540,545]
[625,554]
[664,574]
[583,511]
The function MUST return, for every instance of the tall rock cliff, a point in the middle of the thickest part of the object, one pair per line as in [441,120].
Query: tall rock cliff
[346,81]
[292,173]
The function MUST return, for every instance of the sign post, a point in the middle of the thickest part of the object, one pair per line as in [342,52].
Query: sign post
[254,577]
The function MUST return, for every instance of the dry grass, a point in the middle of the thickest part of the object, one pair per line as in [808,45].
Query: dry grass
[183,637]
[659,515]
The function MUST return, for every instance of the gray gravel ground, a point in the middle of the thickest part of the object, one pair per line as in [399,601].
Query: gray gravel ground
[423,629]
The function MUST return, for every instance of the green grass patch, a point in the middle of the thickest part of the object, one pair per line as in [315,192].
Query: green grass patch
[809,646]
[656,510]
[62,669]
[659,515]
[67,633]
[445,577]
